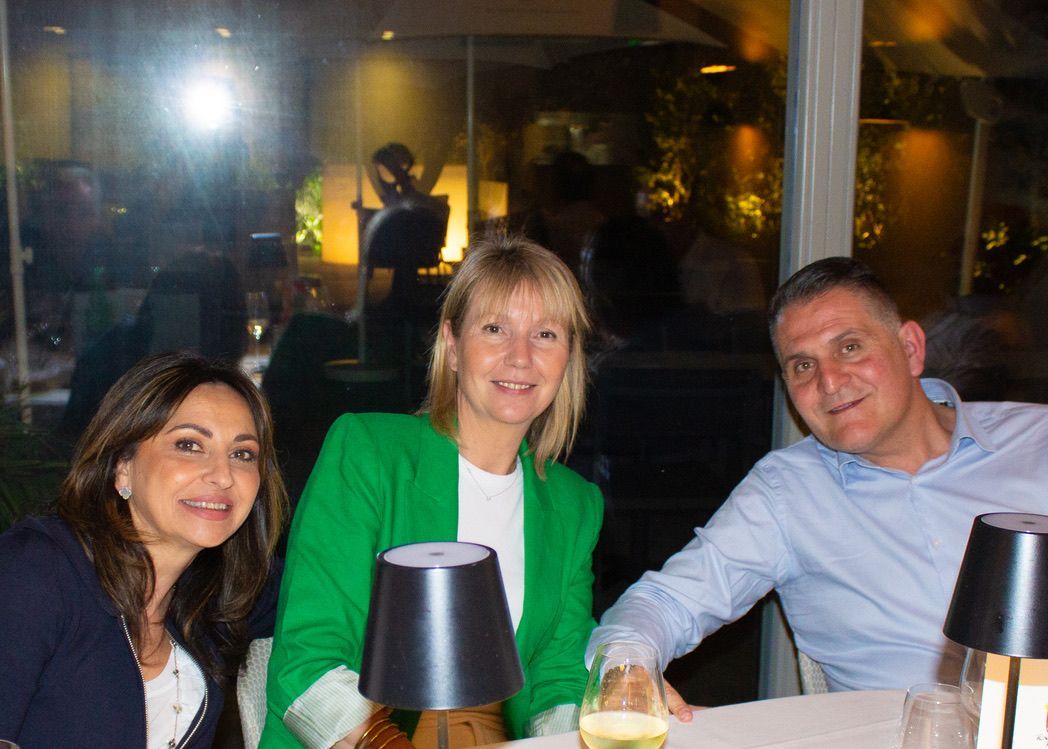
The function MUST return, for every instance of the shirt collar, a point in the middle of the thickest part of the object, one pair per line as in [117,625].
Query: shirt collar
[966,430]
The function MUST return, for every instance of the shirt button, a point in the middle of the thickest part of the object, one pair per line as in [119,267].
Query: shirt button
[936,542]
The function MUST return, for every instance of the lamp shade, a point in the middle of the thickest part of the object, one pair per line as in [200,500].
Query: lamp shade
[1000,601]
[439,635]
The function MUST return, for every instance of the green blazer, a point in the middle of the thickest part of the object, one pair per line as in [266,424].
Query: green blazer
[387,479]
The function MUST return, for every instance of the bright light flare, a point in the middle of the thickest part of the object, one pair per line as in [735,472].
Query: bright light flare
[208,104]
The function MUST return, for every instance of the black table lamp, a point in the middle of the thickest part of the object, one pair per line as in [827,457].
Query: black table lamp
[1000,601]
[439,635]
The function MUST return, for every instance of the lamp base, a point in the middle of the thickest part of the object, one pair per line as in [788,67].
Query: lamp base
[1011,700]
[442,726]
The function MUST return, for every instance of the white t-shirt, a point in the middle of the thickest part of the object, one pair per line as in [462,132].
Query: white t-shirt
[491,512]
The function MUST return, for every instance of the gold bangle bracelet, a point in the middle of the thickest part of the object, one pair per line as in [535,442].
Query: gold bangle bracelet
[387,725]
[391,739]
[381,723]
[363,740]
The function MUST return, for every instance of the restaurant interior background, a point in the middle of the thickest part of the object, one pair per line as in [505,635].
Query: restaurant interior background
[169,158]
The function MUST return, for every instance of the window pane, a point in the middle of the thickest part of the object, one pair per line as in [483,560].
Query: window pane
[952,172]
[207,176]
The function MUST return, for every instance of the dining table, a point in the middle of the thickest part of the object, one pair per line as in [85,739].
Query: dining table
[834,720]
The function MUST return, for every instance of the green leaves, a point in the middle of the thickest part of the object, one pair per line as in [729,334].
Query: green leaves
[309,218]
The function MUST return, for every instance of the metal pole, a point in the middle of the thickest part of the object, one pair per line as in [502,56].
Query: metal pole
[1010,702]
[18,256]
[442,729]
[973,216]
[822,127]
[472,200]
[362,250]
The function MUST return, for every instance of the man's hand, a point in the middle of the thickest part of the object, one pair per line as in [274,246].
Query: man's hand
[680,709]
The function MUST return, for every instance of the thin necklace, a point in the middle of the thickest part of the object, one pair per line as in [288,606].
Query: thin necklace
[178,693]
[489,497]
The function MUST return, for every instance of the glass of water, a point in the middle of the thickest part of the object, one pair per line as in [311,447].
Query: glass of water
[933,717]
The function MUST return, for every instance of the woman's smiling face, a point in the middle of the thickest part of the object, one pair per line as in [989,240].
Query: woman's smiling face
[194,483]
[510,365]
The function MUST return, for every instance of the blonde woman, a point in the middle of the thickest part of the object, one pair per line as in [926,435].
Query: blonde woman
[506,393]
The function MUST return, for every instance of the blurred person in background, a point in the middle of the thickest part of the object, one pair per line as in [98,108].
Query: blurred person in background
[566,225]
[195,305]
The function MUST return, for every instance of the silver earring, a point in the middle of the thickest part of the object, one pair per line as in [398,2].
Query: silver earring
[124,492]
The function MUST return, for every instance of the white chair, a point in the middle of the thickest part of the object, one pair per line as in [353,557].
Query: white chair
[813,678]
[251,690]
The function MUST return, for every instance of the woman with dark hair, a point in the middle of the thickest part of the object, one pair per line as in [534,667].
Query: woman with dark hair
[507,382]
[123,618]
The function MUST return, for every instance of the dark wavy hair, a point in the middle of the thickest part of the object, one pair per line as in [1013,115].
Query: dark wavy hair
[214,596]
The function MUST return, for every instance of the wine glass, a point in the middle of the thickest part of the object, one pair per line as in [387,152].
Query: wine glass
[624,706]
[257,322]
[933,717]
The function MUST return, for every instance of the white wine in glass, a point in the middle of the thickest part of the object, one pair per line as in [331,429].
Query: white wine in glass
[624,706]
[257,304]
[257,314]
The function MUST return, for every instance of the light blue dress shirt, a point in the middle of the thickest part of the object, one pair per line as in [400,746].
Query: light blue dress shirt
[864,558]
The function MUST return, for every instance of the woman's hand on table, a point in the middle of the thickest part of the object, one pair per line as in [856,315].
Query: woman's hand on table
[680,709]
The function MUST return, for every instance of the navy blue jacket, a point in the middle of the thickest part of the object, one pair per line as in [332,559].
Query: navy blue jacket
[68,677]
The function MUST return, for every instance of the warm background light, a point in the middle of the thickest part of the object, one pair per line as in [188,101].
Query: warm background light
[492,203]
[927,177]
[43,98]
[339,190]
[925,21]
[340,244]
[749,149]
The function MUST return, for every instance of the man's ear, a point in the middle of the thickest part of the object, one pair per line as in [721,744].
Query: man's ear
[911,336]
[449,341]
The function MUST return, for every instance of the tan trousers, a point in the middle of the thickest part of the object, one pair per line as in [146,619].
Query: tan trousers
[474,727]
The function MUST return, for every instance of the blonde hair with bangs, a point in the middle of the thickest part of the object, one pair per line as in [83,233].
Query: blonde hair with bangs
[494,269]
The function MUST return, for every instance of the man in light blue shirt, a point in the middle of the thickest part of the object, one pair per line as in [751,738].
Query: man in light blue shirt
[860,527]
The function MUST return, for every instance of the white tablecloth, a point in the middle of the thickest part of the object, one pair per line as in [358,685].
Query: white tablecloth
[842,720]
